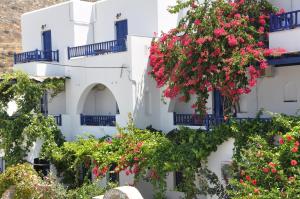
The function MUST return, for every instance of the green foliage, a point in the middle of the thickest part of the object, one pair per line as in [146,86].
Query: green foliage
[266,162]
[19,131]
[28,184]
[88,190]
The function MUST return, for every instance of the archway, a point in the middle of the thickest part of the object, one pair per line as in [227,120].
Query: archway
[98,106]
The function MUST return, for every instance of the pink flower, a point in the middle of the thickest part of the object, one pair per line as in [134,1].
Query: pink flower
[197,22]
[296,143]
[294,149]
[281,141]
[273,170]
[200,41]
[232,41]
[294,162]
[219,32]
[266,170]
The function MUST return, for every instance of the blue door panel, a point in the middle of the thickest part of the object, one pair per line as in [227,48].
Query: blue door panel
[47,45]
[121,33]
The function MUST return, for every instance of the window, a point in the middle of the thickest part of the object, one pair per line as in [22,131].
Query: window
[290,92]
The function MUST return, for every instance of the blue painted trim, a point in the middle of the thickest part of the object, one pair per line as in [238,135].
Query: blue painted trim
[36,55]
[106,47]
[97,120]
[285,21]
[295,60]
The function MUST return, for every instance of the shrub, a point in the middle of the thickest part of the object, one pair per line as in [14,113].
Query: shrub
[28,184]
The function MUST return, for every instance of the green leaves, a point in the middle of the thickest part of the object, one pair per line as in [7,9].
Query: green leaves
[19,131]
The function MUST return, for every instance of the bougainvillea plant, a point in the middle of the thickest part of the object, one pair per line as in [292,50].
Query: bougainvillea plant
[218,45]
[269,169]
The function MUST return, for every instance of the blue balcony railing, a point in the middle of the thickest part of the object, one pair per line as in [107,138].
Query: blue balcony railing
[208,121]
[58,119]
[98,120]
[288,20]
[97,49]
[36,55]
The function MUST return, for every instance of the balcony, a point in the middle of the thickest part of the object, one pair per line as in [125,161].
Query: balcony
[98,120]
[209,121]
[106,47]
[36,55]
[285,21]
[284,33]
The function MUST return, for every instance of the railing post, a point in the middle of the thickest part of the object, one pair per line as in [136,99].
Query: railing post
[57,54]
[174,118]
[15,58]
[36,54]
[68,52]
[81,119]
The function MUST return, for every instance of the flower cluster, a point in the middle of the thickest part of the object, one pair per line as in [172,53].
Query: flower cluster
[215,47]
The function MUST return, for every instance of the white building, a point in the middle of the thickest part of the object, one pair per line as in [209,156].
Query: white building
[102,50]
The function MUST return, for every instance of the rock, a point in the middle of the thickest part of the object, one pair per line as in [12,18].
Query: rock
[124,192]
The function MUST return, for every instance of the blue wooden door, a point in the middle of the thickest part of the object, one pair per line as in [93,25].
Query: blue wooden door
[218,104]
[121,33]
[47,45]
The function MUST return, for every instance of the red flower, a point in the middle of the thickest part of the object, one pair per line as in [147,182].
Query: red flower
[219,32]
[200,41]
[294,149]
[256,190]
[296,143]
[289,137]
[248,178]
[96,171]
[232,41]
[254,182]
[281,141]
[271,164]
[266,170]
[294,162]
[273,170]
[241,181]
[197,22]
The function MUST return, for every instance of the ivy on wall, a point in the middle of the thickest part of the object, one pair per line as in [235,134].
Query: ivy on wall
[19,131]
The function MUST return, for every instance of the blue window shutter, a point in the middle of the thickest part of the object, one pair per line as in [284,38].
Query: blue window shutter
[121,32]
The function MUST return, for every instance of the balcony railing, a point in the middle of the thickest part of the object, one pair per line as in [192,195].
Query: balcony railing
[98,120]
[36,55]
[58,119]
[208,121]
[284,21]
[97,49]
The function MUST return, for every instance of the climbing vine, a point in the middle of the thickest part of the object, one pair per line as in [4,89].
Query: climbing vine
[21,129]
[218,45]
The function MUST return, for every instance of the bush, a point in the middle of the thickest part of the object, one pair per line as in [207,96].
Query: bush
[268,165]
[88,190]
[28,184]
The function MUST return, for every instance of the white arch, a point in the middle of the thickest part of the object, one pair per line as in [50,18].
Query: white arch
[87,91]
